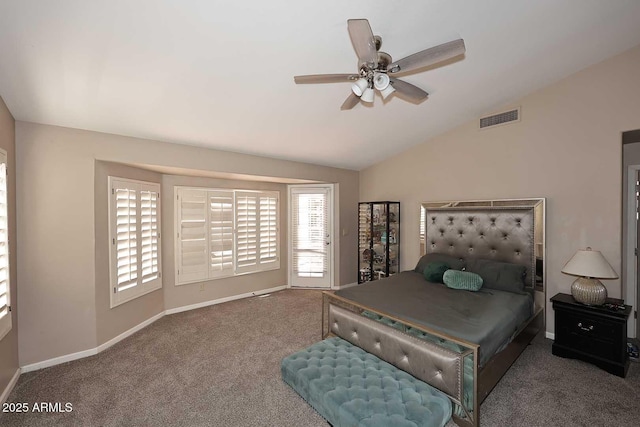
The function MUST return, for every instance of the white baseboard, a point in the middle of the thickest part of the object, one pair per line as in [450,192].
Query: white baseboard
[348,285]
[10,386]
[59,360]
[130,332]
[225,299]
[550,335]
[93,351]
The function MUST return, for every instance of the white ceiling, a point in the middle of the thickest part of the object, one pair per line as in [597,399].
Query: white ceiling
[219,73]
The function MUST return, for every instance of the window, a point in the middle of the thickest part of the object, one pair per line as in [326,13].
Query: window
[223,233]
[423,229]
[423,226]
[5,300]
[134,233]
[310,233]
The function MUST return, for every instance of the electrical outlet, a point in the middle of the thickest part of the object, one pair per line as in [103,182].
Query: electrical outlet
[201,287]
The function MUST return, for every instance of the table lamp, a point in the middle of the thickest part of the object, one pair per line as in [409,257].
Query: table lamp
[590,266]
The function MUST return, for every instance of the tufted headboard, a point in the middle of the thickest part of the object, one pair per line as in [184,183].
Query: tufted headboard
[498,233]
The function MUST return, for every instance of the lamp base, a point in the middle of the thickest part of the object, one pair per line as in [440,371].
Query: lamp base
[589,291]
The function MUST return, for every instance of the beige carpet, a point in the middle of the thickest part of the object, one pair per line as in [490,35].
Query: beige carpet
[220,366]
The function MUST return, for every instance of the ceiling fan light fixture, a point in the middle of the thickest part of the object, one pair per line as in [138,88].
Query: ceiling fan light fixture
[360,86]
[367,95]
[387,91]
[381,81]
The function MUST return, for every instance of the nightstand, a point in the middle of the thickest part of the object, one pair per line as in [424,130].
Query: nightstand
[595,334]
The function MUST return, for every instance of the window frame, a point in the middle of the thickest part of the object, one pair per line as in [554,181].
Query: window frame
[272,263]
[6,323]
[142,285]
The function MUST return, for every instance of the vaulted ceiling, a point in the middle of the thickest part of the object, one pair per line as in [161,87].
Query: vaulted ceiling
[219,73]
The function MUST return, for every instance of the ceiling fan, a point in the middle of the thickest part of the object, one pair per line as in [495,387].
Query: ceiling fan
[376,69]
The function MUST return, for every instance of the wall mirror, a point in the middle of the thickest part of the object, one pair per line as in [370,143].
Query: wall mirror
[534,206]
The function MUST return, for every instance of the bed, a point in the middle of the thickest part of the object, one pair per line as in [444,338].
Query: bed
[489,328]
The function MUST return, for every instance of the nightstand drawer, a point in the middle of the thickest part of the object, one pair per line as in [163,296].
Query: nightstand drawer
[587,326]
[588,334]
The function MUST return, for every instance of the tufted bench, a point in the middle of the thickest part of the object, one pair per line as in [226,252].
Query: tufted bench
[350,387]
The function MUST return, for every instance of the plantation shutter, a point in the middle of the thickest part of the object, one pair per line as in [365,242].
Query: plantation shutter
[221,233]
[134,228]
[193,242]
[422,224]
[310,218]
[268,218]
[5,302]
[149,234]
[246,231]
[126,239]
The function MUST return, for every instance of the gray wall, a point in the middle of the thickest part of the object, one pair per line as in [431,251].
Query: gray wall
[62,311]
[9,344]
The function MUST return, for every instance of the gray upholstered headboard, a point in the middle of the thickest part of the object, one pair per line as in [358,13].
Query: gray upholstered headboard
[504,234]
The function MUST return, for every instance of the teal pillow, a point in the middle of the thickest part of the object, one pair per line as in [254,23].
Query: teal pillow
[464,280]
[434,271]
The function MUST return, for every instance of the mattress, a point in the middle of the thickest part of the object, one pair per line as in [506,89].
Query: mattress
[489,318]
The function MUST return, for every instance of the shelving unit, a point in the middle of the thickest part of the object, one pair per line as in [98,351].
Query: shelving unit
[378,240]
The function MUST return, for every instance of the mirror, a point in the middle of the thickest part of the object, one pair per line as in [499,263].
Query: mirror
[538,206]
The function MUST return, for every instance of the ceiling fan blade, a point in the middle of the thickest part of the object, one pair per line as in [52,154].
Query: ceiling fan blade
[413,93]
[428,57]
[326,78]
[350,102]
[363,41]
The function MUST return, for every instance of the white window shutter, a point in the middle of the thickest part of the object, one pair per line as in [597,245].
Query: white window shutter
[423,227]
[193,243]
[5,302]
[225,232]
[149,212]
[126,237]
[268,218]
[134,231]
[246,254]
[220,233]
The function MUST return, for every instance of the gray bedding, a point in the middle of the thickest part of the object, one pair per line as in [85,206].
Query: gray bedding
[488,317]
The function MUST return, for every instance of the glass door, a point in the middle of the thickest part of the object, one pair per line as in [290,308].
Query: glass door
[310,236]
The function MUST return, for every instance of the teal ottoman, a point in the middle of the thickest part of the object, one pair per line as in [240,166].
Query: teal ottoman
[350,387]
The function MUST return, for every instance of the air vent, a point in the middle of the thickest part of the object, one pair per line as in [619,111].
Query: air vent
[500,118]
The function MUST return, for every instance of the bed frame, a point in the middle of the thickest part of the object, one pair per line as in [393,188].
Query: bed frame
[498,232]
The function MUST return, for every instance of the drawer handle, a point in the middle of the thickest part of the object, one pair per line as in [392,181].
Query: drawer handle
[590,328]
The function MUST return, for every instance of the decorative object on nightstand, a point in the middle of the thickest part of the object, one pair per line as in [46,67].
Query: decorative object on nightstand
[590,265]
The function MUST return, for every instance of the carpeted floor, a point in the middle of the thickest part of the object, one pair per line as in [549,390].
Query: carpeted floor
[220,366]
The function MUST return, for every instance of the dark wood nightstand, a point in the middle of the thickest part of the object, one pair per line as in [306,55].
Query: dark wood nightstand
[595,334]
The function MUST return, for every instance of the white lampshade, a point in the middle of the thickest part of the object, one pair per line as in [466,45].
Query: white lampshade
[380,81]
[387,91]
[367,95]
[589,263]
[360,86]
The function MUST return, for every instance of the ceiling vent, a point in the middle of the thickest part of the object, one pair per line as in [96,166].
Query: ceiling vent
[499,119]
